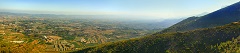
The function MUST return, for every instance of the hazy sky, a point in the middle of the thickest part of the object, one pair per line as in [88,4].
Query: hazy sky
[157,8]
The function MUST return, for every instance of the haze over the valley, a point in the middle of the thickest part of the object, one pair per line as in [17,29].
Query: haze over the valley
[154,9]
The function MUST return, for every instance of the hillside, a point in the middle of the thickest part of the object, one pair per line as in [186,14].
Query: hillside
[218,18]
[229,46]
[201,40]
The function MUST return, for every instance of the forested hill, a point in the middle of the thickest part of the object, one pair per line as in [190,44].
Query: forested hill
[211,33]
[209,40]
[218,18]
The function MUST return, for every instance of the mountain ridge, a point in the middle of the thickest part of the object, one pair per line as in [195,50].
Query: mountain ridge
[217,18]
[200,40]
[209,33]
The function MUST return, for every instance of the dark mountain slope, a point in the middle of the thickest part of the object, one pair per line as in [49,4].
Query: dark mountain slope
[220,17]
[201,40]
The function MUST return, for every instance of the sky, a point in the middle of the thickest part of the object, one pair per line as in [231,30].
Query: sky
[155,8]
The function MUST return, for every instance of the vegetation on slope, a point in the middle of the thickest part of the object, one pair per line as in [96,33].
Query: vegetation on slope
[232,46]
[201,40]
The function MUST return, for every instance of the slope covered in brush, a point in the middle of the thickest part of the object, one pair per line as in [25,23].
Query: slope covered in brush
[218,18]
[232,46]
[201,40]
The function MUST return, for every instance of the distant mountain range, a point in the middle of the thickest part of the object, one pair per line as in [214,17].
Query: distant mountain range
[215,32]
[220,17]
